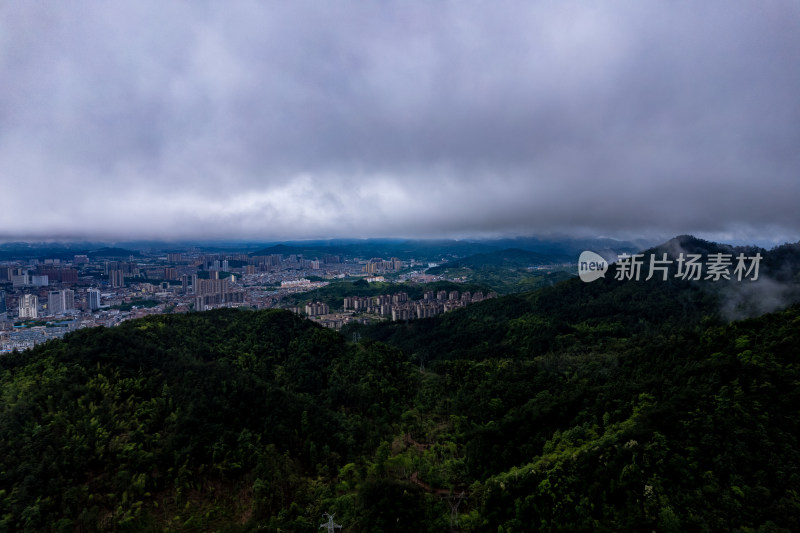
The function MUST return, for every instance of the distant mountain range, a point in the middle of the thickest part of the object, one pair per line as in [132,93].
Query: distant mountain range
[542,251]
[510,257]
[569,247]
[405,249]
[423,249]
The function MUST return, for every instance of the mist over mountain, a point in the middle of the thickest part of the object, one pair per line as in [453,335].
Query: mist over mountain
[570,247]
[777,286]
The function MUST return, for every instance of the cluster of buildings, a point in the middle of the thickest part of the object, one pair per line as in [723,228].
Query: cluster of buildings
[41,304]
[59,303]
[317,309]
[48,313]
[42,299]
[396,306]
[378,265]
[209,293]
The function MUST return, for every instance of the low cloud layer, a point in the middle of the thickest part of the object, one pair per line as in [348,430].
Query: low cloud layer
[287,120]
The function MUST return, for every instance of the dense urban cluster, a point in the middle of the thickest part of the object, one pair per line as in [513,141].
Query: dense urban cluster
[395,306]
[398,307]
[45,298]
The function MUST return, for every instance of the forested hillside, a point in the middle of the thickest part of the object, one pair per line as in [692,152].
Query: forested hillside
[190,422]
[608,406]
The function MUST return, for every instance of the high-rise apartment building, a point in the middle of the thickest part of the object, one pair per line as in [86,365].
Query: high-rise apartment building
[3,310]
[60,274]
[93,297]
[55,304]
[40,280]
[29,306]
[20,279]
[60,302]
[116,278]
[68,299]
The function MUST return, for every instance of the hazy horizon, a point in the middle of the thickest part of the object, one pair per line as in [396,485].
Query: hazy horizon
[499,242]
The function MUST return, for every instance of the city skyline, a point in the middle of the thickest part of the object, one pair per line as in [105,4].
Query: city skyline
[51,297]
[272,122]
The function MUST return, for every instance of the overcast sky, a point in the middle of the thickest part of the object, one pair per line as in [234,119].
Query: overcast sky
[291,120]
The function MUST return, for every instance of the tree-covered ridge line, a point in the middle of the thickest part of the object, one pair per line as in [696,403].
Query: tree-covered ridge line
[509,270]
[509,257]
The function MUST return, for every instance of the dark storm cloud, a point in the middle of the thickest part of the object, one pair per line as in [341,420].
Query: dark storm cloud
[399,118]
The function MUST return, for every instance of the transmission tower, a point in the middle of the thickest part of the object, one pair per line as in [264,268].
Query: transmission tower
[455,501]
[331,525]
